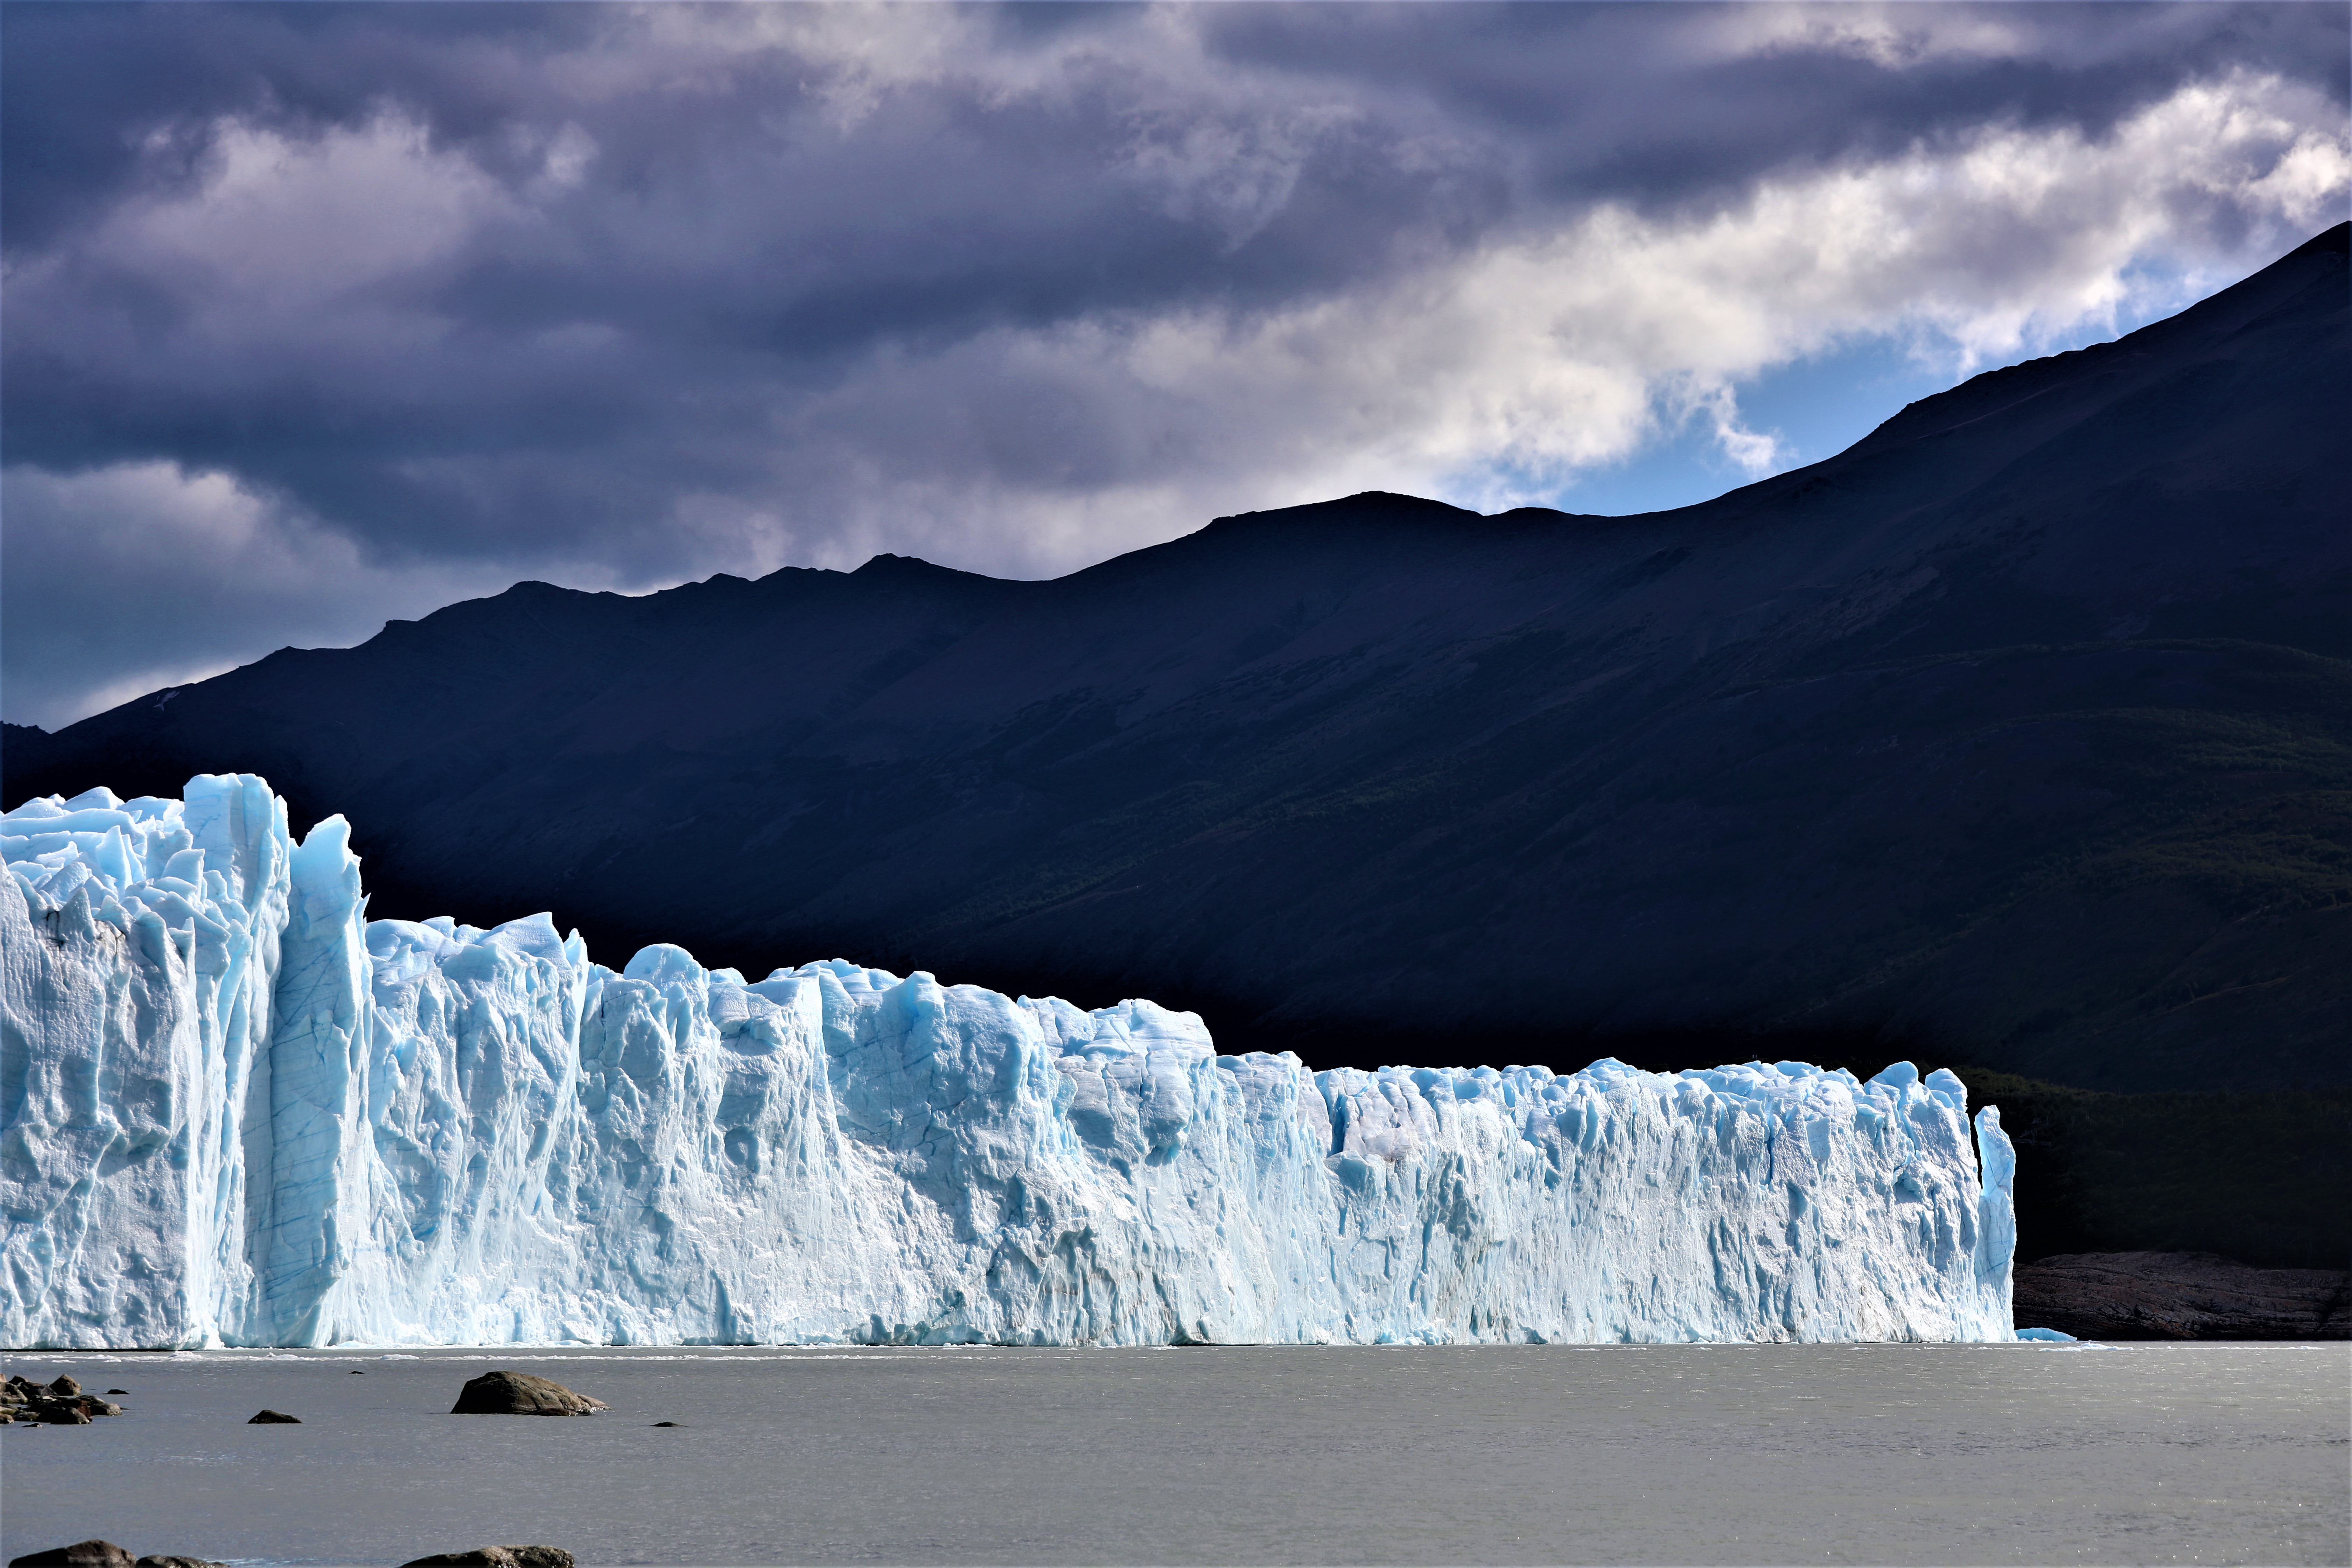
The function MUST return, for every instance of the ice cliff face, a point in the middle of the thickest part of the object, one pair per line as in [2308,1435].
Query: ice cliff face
[233,1111]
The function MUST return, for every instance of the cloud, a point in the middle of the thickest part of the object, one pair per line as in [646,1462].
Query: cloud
[149,576]
[1544,354]
[621,296]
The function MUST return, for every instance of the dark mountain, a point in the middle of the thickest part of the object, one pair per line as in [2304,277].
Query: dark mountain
[2020,734]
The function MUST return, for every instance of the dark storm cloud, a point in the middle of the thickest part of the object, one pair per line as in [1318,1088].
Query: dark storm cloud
[1605,102]
[86,86]
[450,293]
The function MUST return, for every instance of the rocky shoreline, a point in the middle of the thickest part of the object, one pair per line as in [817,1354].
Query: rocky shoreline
[2181,1296]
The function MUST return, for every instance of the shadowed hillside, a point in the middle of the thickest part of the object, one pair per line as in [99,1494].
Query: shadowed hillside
[2019,733]
[2260,1177]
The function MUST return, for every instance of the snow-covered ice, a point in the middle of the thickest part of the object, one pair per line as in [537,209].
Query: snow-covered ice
[235,1111]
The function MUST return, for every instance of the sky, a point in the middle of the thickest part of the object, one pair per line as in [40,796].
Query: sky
[316,316]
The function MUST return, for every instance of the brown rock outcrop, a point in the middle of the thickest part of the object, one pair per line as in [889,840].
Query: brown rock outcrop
[497,1557]
[521,1394]
[61,1402]
[2181,1296]
[80,1554]
[104,1554]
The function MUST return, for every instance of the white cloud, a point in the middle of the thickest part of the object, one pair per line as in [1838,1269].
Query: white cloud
[1546,354]
[299,223]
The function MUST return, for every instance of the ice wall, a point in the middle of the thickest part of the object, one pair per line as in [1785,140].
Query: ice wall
[233,1111]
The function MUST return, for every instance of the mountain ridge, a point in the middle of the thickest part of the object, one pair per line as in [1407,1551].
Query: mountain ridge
[2014,732]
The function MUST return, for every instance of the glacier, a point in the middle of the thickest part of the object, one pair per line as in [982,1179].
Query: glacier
[235,1111]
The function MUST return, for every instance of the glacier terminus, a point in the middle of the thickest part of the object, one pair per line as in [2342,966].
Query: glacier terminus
[235,1111]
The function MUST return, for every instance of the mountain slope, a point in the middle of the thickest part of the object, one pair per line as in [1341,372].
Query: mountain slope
[2021,732]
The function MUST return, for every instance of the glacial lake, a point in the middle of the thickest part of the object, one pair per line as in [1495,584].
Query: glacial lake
[1874,1453]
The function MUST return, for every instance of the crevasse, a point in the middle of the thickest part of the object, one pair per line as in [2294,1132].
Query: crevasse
[235,1111]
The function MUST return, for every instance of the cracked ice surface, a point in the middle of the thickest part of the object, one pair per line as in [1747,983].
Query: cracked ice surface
[234,1110]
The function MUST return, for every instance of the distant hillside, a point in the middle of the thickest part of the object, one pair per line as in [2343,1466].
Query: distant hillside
[2021,734]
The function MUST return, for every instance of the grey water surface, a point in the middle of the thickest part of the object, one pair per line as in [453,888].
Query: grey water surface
[1702,1454]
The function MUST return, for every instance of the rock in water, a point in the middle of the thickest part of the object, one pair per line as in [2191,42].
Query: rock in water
[2182,1296]
[273,1418]
[497,1557]
[65,1410]
[179,1562]
[22,1399]
[847,1155]
[80,1554]
[521,1394]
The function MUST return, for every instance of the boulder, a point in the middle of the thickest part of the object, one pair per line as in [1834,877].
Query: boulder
[497,1557]
[20,1390]
[274,1418]
[61,1401]
[521,1394]
[2181,1296]
[179,1562]
[74,1412]
[80,1554]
